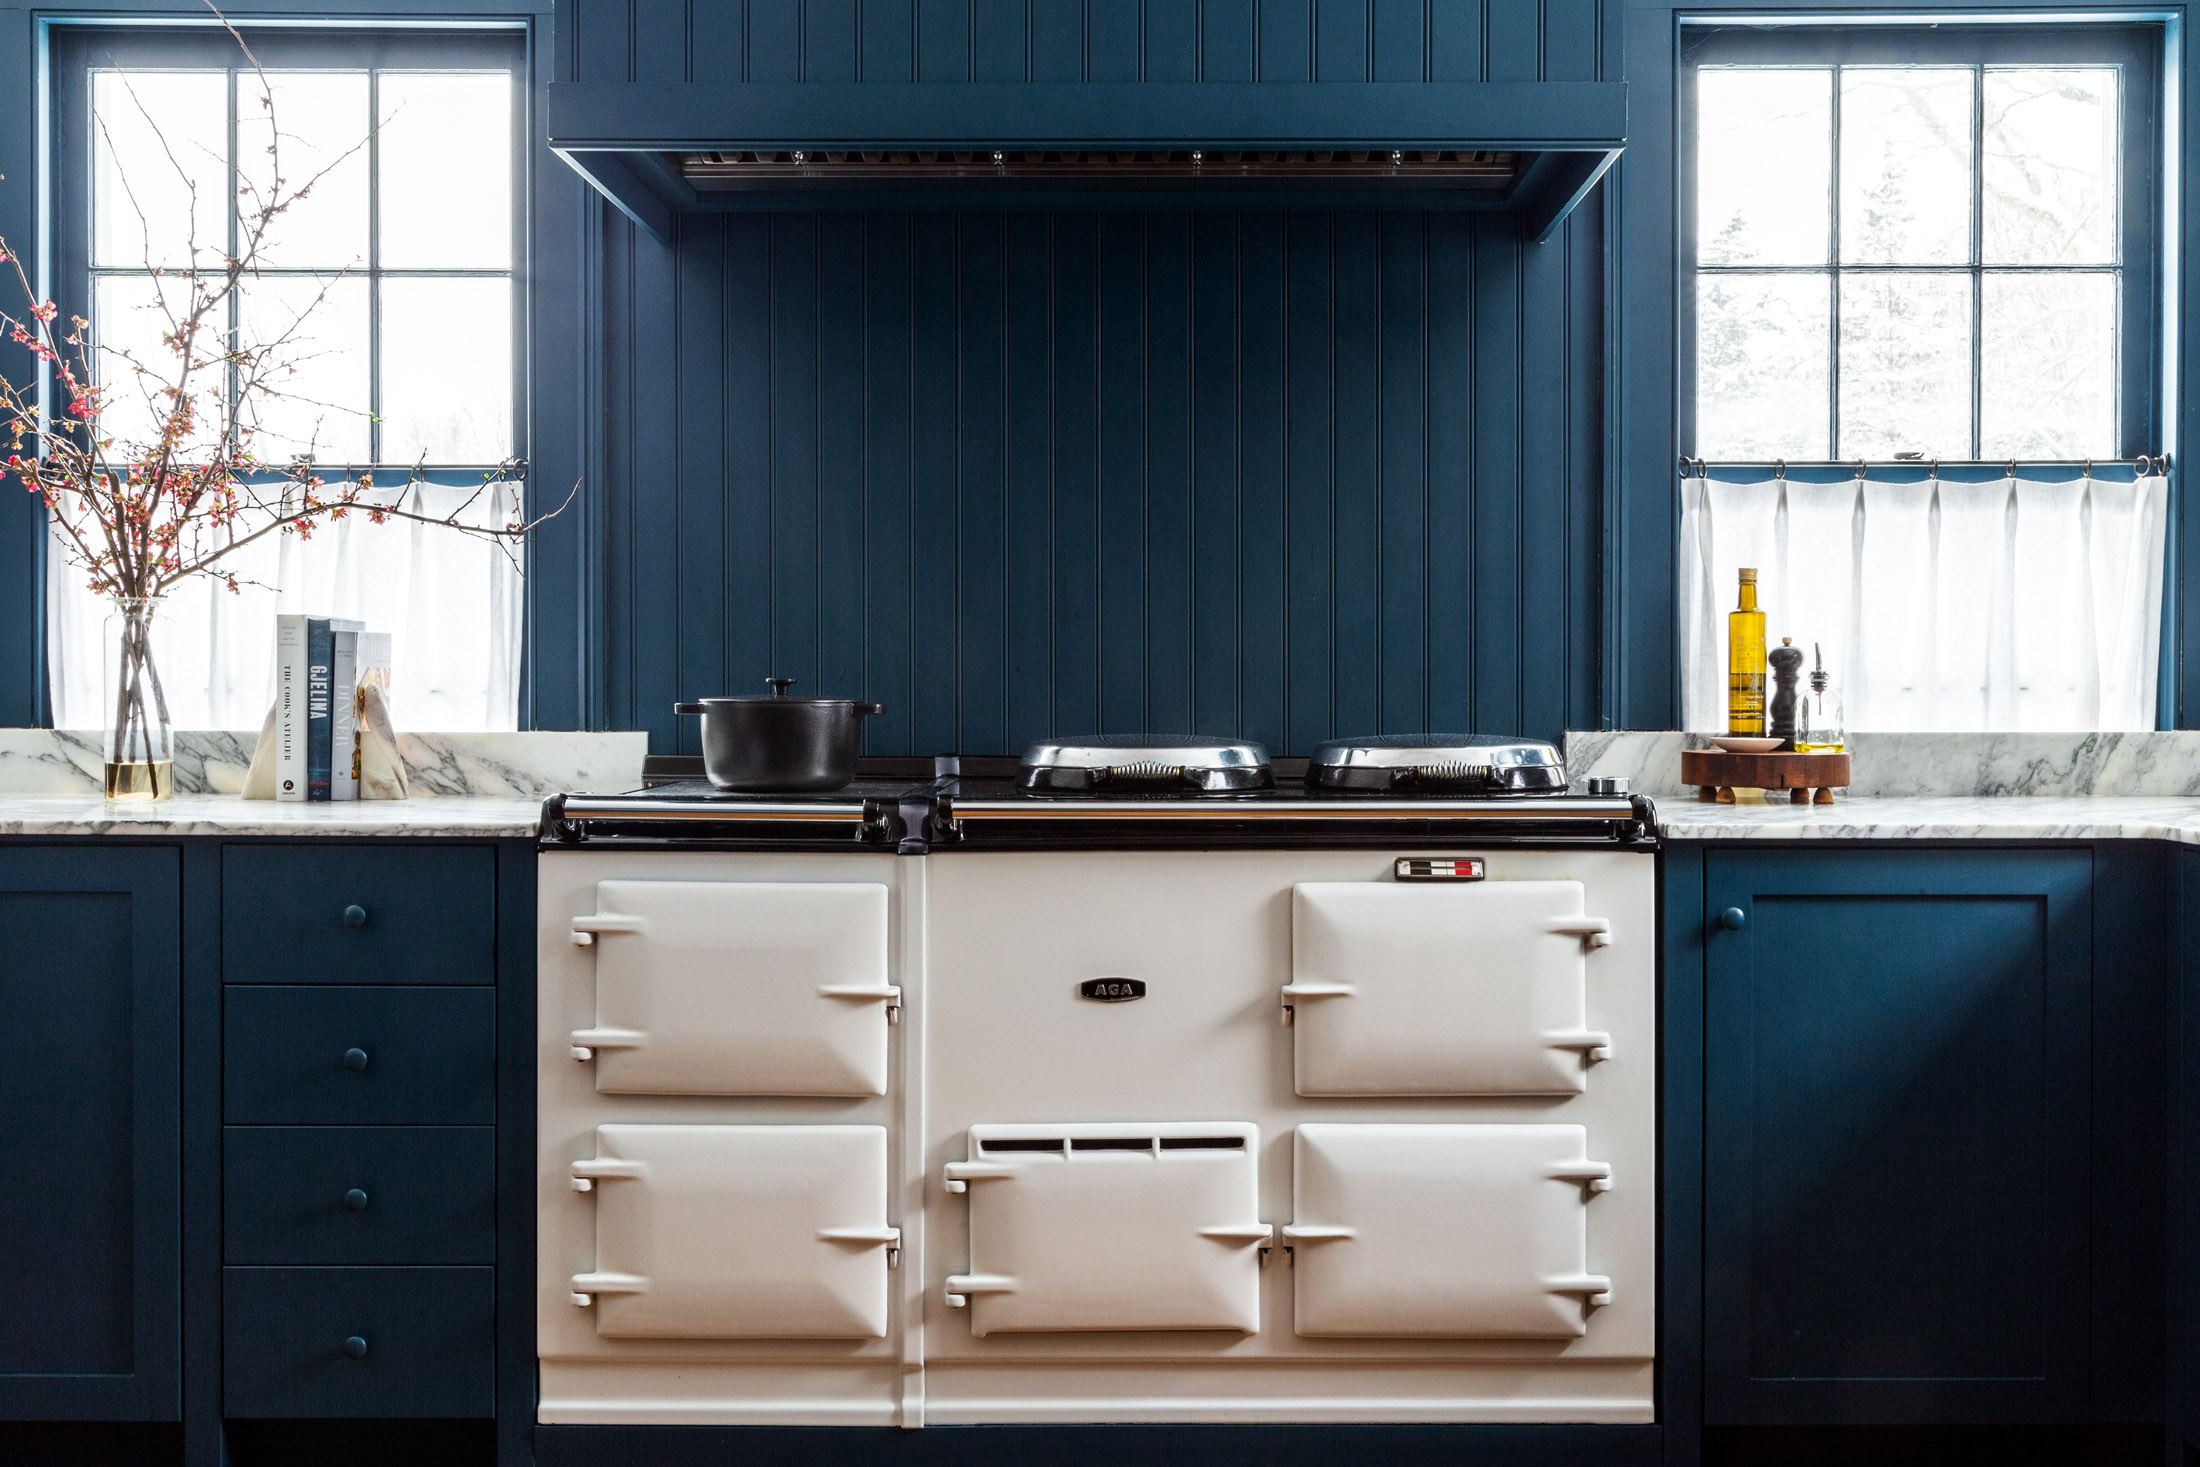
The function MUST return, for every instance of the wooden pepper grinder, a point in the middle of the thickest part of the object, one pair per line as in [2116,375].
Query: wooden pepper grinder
[1786,661]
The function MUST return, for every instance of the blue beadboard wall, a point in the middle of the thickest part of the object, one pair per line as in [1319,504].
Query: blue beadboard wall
[1283,475]
[1093,40]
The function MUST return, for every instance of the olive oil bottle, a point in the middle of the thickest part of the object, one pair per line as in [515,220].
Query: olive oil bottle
[1745,662]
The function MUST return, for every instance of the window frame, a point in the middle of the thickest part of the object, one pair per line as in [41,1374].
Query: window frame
[2136,49]
[78,50]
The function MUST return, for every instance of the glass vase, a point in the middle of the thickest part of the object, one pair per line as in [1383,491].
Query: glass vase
[140,747]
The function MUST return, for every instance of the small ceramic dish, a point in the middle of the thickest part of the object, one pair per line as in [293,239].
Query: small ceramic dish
[1737,744]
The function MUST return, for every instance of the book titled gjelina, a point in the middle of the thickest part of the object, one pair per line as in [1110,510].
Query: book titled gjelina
[307,692]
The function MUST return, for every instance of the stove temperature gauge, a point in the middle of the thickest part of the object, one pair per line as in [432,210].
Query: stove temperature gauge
[1439,868]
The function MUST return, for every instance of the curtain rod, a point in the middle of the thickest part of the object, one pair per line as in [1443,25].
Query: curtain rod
[2147,463]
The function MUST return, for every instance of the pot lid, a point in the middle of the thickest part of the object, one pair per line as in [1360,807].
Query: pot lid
[1419,751]
[778,694]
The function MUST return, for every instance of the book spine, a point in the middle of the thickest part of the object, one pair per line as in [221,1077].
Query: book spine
[317,708]
[343,775]
[290,707]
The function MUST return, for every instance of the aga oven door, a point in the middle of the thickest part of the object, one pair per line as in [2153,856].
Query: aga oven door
[1111,1227]
[738,988]
[1476,1231]
[738,1232]
[1469,988]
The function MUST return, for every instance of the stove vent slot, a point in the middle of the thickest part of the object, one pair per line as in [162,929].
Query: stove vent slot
[1202,1143]
[1022,1143]
[1111,1143]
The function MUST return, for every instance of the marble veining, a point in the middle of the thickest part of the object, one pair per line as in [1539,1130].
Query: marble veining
[79,814]
[1948,817]
[1937,765]
[514,766]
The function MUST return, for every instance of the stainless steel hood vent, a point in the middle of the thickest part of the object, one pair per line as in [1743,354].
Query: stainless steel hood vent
[1103,169]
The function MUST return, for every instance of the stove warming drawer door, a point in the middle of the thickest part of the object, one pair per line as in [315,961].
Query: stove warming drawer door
[1444,1231]
[1111,1227]
[738,988]
[1442,989]
[738,1232]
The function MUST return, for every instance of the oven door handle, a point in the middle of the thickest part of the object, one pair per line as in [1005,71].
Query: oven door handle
[1594,932]
[1593,1043]
[1315,1233]
[885,993]
[1256,1232]
[1595,1289]
[590,1170]
[1594,1176]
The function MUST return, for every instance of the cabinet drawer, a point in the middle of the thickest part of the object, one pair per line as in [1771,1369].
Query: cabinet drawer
[358,1342]
[358,914]
[359,1056]
[359,1194]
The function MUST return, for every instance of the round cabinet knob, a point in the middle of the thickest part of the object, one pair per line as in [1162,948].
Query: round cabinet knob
[356,1200]
[356,1347]
[1733,918]
[355,916]
[355,1059]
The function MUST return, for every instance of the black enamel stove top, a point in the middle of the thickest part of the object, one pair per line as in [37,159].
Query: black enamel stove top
[917,806]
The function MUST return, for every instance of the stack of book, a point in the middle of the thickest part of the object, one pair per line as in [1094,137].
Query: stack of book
[322,666]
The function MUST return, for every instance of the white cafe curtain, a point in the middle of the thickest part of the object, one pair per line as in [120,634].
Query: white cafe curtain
[2012,604]
[450,602]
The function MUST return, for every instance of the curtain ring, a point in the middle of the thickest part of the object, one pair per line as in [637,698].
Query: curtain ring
[1779,471]
[1933,474]
[1859,471]
[2089,471]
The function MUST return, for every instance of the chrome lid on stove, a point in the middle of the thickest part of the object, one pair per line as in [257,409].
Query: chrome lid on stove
[1170,764]
[1437,764]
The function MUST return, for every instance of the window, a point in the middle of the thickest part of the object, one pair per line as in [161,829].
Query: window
[396,276]
[1904,245]
[1922,241]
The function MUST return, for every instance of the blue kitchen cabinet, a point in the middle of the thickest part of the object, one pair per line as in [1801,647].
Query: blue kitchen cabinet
[1898,1112]
[91,1217]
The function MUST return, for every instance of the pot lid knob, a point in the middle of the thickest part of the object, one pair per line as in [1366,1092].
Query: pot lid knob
[779,685]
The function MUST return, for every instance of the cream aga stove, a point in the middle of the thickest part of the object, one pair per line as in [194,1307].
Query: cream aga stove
[1148,1084]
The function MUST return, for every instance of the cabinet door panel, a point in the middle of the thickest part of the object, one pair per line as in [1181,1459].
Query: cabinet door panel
[90,1219]
[1896,1116]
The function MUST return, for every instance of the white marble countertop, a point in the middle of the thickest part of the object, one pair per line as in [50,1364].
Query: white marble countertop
[1947,817]
[474,817]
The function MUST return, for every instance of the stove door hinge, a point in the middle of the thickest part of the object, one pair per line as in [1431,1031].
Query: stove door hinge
[1293,992]
[1295,1234]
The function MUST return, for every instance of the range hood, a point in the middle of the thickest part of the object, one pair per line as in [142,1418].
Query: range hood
[1533,148]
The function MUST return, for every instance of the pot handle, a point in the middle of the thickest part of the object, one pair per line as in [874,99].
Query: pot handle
[687,708]
[864,710]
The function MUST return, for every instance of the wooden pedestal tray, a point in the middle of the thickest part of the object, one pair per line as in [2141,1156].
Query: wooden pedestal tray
[1717,774]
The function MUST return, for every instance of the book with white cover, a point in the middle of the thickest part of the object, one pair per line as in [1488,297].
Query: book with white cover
[290,706]
[343,770]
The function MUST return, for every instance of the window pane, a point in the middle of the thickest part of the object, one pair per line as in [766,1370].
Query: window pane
[136,366]
[447,369]
[2047,379]
[316,152]
[446,163]
[1905,365]
[314,329]
[1761,366]
[2050,167]
[1764,165]
[160,167]
[1905,166]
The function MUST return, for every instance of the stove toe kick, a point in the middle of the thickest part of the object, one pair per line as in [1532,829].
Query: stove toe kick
[972,1393]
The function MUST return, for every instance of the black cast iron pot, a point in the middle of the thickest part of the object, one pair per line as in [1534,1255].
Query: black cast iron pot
[780,743]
